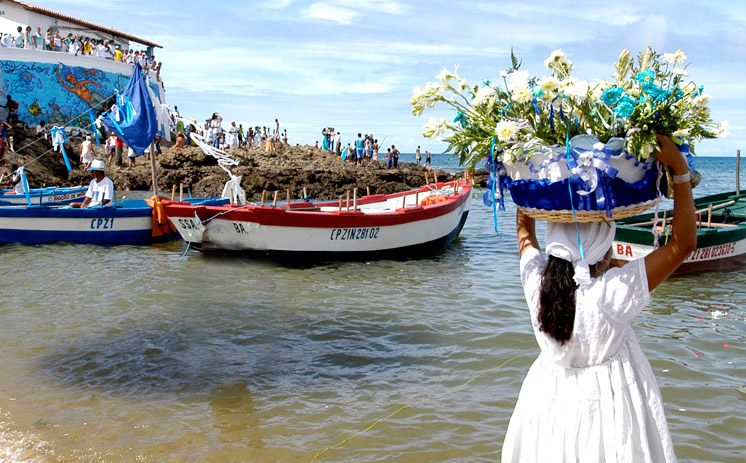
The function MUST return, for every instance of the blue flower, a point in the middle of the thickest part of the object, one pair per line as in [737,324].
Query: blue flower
[461,119]
[624,110]
[612,95]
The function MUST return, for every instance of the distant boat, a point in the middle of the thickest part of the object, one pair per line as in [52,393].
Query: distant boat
[60,195]
[130,221]
[427,218]
[721,234]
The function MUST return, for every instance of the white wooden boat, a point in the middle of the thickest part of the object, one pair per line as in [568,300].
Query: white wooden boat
[426,218]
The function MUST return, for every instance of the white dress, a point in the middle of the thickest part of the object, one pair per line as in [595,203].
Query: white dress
[595,398]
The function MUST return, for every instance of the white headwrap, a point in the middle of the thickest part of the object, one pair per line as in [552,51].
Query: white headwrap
[562,242]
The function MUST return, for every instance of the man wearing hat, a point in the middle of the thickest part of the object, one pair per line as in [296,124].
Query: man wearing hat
[101,190]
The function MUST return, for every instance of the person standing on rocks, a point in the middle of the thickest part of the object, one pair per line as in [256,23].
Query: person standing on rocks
[233,136]
[118,152]
[359,148]
[395,156]
[86,153]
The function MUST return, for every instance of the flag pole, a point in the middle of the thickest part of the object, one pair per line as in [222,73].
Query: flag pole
[153,169]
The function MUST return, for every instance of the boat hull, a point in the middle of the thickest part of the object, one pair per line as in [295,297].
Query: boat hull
[97,225]
[63,195]
[128,222]
[381,226]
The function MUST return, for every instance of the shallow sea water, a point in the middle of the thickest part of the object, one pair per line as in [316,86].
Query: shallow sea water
[123,354]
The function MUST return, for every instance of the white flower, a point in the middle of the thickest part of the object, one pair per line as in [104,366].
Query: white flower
[646,150]
[485,95]
[721,129]
[522,95]
[577,90]
[701,100]
[444,75]
[598,89]
[681,133]
[432,89]
[435,128]
[506,130]
[689,88]
[548,84]
[518,79]
[504,74]
[680,72]
[558,63]
[557,56]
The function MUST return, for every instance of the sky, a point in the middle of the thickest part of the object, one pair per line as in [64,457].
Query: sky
[352,64]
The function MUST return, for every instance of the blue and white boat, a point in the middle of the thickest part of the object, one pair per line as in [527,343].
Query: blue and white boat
[59,195]
[126,222]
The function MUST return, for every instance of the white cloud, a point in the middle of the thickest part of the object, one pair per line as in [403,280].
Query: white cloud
[331,12]
[347,11]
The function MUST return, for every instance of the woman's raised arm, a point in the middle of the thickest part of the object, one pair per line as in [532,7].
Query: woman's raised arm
[664,260]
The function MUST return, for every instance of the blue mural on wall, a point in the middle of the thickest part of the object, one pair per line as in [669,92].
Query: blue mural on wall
[57,93]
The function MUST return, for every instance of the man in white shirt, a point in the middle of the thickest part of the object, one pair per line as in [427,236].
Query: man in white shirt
[18,39]
[101,190]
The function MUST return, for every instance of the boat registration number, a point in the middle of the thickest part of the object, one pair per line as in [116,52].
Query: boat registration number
[187,223]
[102,224]
[354,233]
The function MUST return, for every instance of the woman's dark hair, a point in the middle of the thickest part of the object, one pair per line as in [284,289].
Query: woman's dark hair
[557,299]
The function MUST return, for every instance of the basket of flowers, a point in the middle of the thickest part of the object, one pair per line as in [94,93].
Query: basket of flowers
[570,150]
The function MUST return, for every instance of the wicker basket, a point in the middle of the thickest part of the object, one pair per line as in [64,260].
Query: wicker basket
[565,216]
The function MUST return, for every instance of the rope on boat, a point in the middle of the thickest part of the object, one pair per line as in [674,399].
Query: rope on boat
[200,222]
[419,402]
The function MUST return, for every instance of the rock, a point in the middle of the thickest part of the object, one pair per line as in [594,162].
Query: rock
[322,173]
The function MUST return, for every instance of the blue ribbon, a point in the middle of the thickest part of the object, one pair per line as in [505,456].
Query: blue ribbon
[54,131]
[67,160]
[25,185]
[569,189]
[119,129]
[494,184]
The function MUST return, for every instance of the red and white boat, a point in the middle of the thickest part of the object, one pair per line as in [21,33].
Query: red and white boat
[423,219]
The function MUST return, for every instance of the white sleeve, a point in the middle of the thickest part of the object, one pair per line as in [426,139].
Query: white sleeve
[626,291]
[532,265]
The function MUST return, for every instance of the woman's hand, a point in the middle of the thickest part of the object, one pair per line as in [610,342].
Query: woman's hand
[670,156]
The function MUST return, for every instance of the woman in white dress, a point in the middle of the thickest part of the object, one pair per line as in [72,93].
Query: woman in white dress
[591,395]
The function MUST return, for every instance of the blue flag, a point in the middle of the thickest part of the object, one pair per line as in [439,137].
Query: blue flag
[134,120]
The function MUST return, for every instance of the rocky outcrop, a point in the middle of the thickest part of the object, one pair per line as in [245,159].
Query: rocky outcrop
[322,173]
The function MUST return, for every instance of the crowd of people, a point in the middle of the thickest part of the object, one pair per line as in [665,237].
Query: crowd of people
[78,45]
[364,149]
[236,136]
